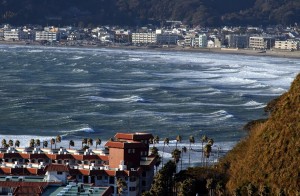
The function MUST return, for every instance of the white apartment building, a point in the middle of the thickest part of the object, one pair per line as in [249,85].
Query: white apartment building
[261,42]
[202,41]
[12,34]
[287,45]
[46,36]
[144,38]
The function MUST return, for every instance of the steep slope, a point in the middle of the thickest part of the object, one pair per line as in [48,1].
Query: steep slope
[270,156]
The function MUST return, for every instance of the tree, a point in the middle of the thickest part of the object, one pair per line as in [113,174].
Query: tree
[17,143]
[84,141]
[98,142]
[155,140]
[121,184]
[31,143]
[250,189]
[184,149]
[45,144]
[11,143]
[37,142]
[186,187]
[176,156]
[178,139]
[210,141]
[166,142]
[52,141]
[220,189]
[192,141]
[204,138]
[207,151]
[90,142]
[71,143]
[3,143]
[57,139]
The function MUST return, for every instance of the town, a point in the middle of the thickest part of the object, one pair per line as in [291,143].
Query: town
[172,34]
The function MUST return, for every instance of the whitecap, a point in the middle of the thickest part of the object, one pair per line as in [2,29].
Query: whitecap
[130,99]
[76,57]
[76,70]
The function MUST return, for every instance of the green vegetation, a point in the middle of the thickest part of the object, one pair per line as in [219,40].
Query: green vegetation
[141,12]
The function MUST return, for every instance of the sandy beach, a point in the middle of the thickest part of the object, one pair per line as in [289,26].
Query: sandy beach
[251,52]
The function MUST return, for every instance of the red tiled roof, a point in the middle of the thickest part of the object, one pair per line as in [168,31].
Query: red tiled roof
[57,167]
[24,190]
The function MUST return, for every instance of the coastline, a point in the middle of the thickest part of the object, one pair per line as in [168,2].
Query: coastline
[246,52]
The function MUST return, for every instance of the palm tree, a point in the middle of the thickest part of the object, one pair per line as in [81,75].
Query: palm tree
[11,143]
[52,141]
[155,140]
[263,190]
[184,149]
[17,143]
[121,184]
[192,141]
[176,156]
[57,139]
[207,151]
[3,143]
[166,142]
[98,142]
[220,189]
[45,143]
[204,138]
[37,142]
[31,143]
[178,139]
[71,143]
[90,142]
[210,141]
[84,141]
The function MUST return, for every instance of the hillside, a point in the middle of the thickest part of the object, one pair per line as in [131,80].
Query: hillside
[141,12]
[270,156]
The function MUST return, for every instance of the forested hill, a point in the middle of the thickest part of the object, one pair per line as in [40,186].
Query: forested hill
[269,158]
[140,12]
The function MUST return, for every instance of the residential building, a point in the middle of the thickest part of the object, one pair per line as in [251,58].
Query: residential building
[46,36]
[12,34]
[126,157]
[202,41]
[261,42]
[287,45]
[238,41]
[166,38]
[144,38]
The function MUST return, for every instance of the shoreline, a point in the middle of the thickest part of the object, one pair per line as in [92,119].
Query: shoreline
[245,52]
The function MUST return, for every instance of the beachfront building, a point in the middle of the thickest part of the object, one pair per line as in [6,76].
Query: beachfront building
[144,38]
[12,34]
[238,41]
[126,157]
[202,41]
[261,42]
[46,36]
[167,38]
[287,45]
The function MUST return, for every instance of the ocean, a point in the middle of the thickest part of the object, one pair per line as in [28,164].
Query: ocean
[94,93]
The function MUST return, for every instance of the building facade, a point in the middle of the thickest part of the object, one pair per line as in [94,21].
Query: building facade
[287,45]
[238,41]
[261,42]
[202,41]
[46,36]
[144,38]
[126,157]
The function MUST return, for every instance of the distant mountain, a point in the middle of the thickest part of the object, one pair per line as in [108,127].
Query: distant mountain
[269,158]
[140,12]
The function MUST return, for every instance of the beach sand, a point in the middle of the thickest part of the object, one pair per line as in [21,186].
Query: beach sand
[251,52]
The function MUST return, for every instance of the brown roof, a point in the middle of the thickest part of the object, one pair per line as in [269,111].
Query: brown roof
[124,145]
[25,184]
[134,136]
[57,167]
[30,191]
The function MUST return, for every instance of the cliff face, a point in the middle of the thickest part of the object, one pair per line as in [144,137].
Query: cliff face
[270,156]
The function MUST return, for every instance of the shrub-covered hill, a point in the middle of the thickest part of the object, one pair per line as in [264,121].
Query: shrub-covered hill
[269,158]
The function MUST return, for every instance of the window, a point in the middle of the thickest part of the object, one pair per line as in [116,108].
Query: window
[111,180]
[143,183]
[132,179]
[131,188]
[59,173]
[80,177]
[144,174]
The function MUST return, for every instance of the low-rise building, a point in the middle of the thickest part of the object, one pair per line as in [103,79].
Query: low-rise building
[238,41]
[261,42]
[287,45]
[12,34]
[126,157]
[46,36]
[144,38]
